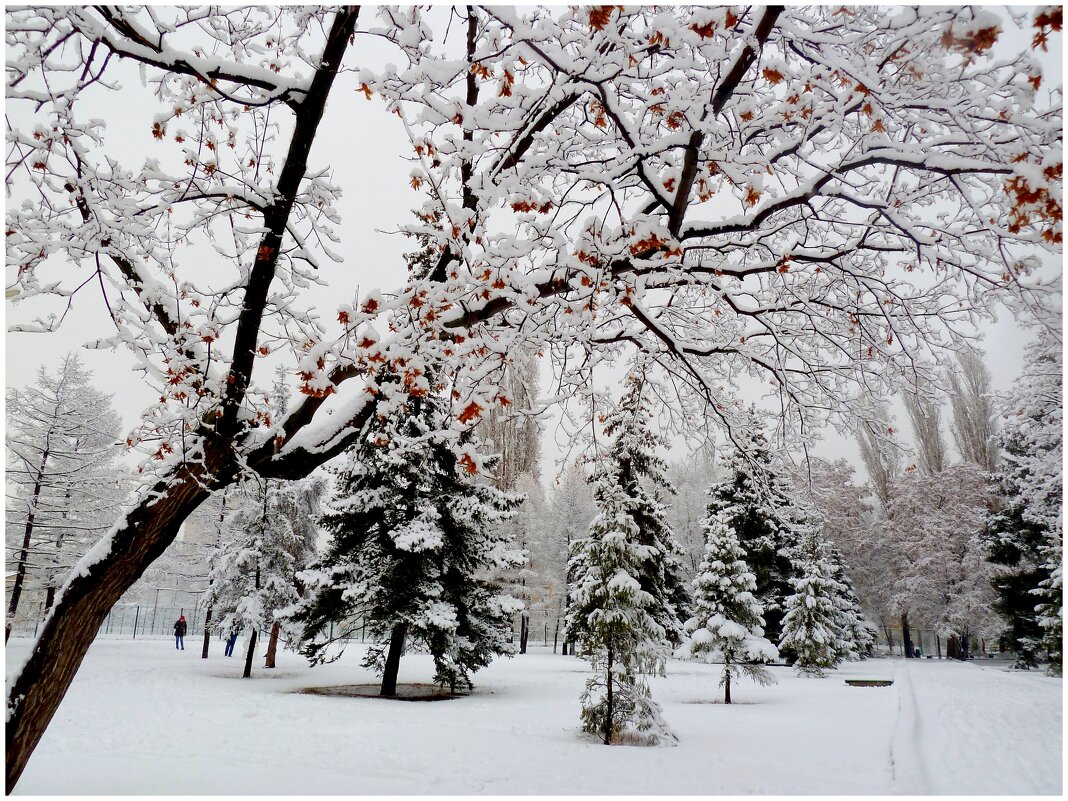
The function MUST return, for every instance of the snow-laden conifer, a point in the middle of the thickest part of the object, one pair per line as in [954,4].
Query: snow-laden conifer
[1050,611]
[815,631]
[1025,525]
[413,537]
[727,626]
[860,632]
[756,503]
[627,600]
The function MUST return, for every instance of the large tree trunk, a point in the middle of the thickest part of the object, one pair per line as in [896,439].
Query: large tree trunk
[20,571]
[726,685]
[524,632]
[272,645]
[393,657]
[83,604]
[249,655]
[906,635]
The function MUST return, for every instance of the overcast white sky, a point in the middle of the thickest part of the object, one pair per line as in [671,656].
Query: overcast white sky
[366,149]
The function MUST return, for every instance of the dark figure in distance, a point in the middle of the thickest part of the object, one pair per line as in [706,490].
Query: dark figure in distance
[232,639]
[179,633]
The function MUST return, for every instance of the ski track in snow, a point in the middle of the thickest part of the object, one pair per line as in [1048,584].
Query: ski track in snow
[141,718]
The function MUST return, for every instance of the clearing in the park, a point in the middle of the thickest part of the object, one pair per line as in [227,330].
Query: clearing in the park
[142,719]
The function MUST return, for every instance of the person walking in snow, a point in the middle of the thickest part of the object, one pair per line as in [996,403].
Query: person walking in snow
[179,633]
[234,629]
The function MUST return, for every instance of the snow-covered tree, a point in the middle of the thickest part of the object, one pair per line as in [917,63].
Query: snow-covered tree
[616,624]
[1050,610]
[851,523]
[1026,523]
[627,604]
[974,415]
[690,478]
[815,632]
[727,626]
[511,432]
[539,580]
[62,440]
[766,215]
[413,536]
[925,414]
[860,632]
[571,511]
[268,539]
[756,503]
[941,574]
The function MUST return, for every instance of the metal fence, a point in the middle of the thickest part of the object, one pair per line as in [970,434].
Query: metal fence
[139,620]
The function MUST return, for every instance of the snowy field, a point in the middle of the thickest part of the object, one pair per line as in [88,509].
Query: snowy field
[141,718]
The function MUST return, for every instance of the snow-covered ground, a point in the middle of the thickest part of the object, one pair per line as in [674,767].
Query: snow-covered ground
[142,718]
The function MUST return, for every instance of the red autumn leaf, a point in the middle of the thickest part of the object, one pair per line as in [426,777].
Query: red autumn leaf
[472,412]
[704,31]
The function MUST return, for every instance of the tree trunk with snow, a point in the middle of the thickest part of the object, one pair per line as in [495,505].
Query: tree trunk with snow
[272,645]
[249,655]
[207,634]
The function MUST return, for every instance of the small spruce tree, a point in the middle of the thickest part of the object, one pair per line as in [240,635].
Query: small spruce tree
[627,602]
[815,632]
[727,626]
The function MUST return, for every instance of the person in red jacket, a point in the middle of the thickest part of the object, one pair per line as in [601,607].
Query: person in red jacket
[179,633]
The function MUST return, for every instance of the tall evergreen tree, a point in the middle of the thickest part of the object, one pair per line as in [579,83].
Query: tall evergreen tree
[413,536]
[628,603]
[1025,523]
[815,632]
[756,503]
[727,626]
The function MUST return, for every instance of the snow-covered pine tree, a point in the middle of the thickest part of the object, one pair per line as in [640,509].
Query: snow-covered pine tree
[755,502]
[571,511]
[269,538]
[1026,521]
[628,603]
[861,632]
[412,541]
[615,623]
[814,630]
[726,625]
